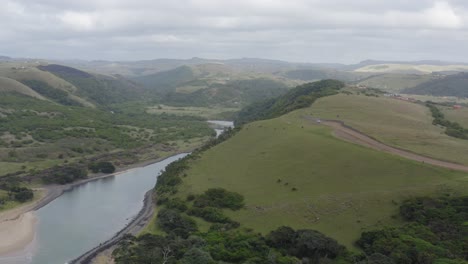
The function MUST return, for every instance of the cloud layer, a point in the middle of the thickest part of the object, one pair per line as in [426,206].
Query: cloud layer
[294,30]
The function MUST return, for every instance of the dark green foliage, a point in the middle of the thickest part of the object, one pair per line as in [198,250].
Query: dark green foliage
[65,174]
[304,243]
[451,85]
[16,192]
[176,204]
[453,129]
[173,222]
[220,198]
[103,90]
[22,194]
[170,178]
[437,231]
[102,166]
[210,214]
[197,256]
[299,97]
[46,90]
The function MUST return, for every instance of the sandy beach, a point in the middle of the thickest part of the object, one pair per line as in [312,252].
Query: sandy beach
[17,233]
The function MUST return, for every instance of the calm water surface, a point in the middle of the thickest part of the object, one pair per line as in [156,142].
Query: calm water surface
[91,213]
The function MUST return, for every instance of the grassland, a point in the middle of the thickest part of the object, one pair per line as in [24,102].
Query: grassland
[395,122]
[456,115]
[342,189]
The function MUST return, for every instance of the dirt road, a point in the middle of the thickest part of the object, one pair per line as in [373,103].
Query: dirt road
[341,130]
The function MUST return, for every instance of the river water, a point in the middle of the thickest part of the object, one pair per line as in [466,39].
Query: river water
[92,213]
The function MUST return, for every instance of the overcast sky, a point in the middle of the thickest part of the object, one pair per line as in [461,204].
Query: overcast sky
[294,30]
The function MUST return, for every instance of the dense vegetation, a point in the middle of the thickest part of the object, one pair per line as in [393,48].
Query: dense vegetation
[234,93]
[102,90]
[12,190]
[436,232]
[102,166]
[299,97]
[47,122]
[452,85]
[452,129]
[46,90]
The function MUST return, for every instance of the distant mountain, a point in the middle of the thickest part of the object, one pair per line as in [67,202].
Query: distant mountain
[5,58]
[452,85]
[167,80]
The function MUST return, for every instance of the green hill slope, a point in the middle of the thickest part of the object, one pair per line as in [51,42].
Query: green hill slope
[395,122]
[452,85]
[8,85]
[293,172]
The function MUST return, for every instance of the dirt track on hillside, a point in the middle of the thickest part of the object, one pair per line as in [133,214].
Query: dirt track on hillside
[342,131]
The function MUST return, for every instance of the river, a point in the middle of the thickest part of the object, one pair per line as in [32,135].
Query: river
[92,213]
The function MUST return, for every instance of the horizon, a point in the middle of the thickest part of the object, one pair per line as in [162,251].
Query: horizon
[382,61]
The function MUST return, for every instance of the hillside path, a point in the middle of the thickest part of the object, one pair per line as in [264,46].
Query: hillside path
[345,132]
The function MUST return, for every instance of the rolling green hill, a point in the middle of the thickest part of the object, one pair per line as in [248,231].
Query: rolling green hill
[452,85]
[292,172]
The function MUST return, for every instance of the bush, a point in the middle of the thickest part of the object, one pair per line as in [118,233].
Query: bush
[172,222]
[220,198]
[210,214]
[102,166]
[22,194]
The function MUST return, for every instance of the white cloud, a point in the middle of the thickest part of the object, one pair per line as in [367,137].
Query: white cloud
[78,20]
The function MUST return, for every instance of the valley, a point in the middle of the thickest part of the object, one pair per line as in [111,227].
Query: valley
[336,157]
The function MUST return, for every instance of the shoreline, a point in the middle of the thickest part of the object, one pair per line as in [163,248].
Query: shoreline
[18,225]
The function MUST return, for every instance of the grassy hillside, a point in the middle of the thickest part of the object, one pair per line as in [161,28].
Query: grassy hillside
[394,122]
[456,115]
[8,85]
[395,82]
[452,85]
[293,172]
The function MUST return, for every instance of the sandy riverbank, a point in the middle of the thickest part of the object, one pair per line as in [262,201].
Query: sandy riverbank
[17,233]
[17,226]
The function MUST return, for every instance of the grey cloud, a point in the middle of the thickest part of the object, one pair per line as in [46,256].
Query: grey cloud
[297,30]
